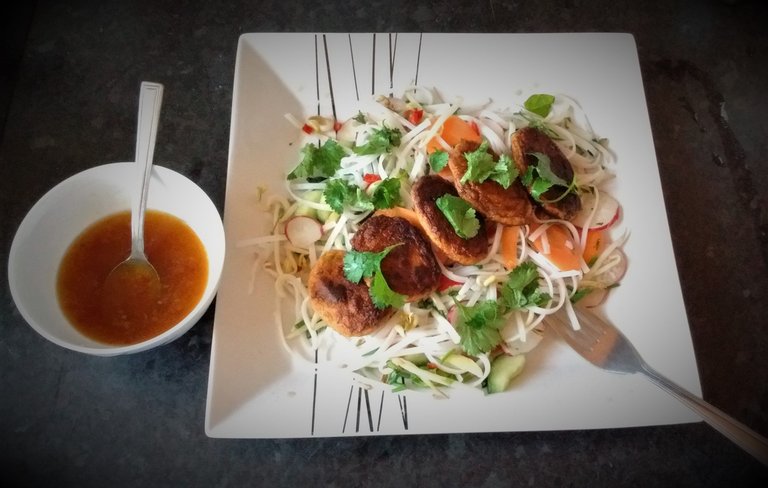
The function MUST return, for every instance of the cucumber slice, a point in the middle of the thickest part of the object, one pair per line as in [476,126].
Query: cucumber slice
[503,370]
[317,196]
[305,211]
[302,210]
[417,359]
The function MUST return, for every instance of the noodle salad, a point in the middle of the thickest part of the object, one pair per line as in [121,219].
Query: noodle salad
[478,318]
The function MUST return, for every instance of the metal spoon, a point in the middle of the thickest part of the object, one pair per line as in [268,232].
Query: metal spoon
[136,278]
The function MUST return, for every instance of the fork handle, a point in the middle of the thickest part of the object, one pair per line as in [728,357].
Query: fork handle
[743,436]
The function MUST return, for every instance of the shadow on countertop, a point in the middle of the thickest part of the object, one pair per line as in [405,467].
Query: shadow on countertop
[15,29]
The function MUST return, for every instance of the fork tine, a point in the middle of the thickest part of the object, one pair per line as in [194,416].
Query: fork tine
[589,325]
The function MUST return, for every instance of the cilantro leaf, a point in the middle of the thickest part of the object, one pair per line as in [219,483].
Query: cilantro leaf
[544,168]
[386,194]
[521,290]
[478,326]
[528,176]
[539,187]
[340,194]
[382,295]
[505,171]
[523,275]
[360,200]
[481,166]
[359,265]
[380,141]
[438,160]
[360,117]
[540,104]
[539,178]
[321,161]
[335,194]
[460,215]
[363,264]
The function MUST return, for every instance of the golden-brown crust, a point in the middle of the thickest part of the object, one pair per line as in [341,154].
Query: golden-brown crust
[529,140]
[464,251]
[410,268]
[508,206]
[345,306]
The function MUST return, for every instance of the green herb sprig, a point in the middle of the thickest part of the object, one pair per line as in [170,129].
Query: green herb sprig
[461,216]
[380,141]
[340,194]
[478,326]
[521,289]
[539,104]
[481,166]
[318,162]
[539,178]
[363,264]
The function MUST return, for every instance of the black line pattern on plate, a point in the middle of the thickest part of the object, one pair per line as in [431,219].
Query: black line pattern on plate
[373,66]
[346,415]
[363,404]
[381,407]
[314,383]
[354,73]
[330,82]
[364,411]
[392,53]
[317,77]
[357,417]
[314,396]
[368,409]
[403,410]
[418,59]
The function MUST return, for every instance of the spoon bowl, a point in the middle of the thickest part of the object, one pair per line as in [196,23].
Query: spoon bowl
[135,281]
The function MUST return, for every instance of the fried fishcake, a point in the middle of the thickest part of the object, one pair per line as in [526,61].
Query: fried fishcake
[410,268]
[464,251]
[508,206]
[345,306]
[529,140]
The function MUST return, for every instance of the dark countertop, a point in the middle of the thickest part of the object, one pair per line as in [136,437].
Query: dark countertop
[69,104]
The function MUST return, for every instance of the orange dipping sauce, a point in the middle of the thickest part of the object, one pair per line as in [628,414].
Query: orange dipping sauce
[171,246]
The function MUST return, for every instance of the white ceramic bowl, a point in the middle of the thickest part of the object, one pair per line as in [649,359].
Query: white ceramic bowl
[66,210]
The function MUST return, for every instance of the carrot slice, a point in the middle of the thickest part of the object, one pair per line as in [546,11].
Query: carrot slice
[403,212]
[562,250]
[453,130]
[593,245]
[508,246]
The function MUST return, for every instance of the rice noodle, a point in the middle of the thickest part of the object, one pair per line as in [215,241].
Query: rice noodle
[426,329]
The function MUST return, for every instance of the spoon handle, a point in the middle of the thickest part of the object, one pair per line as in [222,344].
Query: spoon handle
[150,101]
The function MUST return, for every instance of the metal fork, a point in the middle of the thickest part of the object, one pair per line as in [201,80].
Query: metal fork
[606,347]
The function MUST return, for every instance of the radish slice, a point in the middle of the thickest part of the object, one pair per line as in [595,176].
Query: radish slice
[606,214]
[452,315]
[614,274]
[303,231]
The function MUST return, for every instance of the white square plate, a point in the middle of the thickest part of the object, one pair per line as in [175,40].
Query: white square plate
[256,389]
